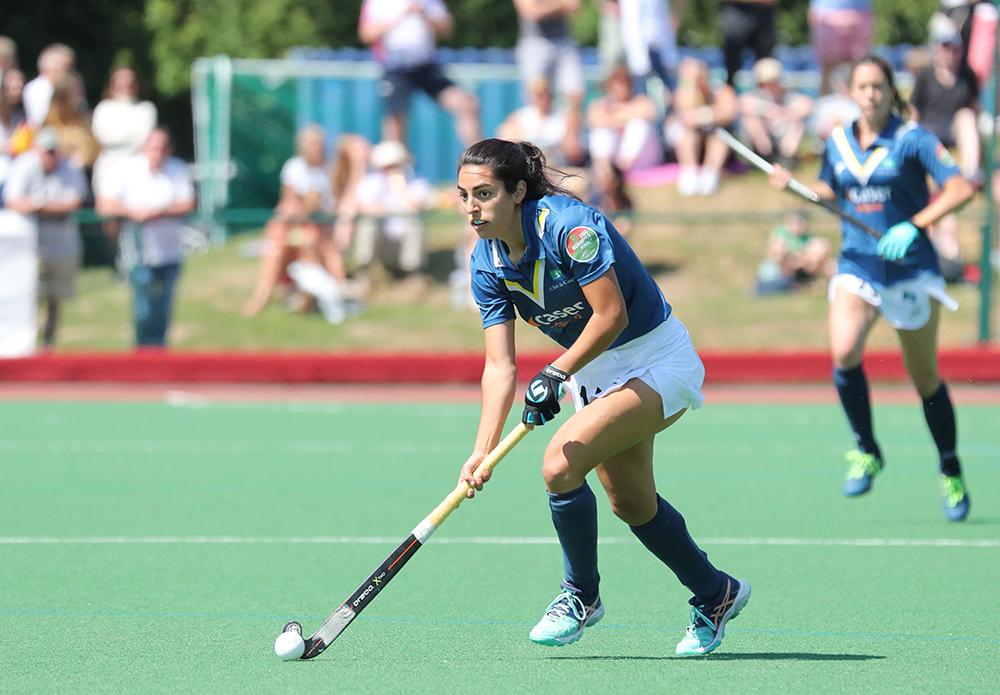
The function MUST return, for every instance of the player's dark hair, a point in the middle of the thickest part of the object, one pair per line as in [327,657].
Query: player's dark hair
[899,105]
[517,161]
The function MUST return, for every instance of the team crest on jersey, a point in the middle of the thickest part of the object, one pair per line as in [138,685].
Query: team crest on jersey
[944,156]
[582,244]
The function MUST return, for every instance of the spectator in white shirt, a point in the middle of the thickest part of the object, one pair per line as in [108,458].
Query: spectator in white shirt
[121,123]
[154,195]
[47,188]
[390,200]
[541,124]
[53,64]
[306,191]
[403,35]
[649,37]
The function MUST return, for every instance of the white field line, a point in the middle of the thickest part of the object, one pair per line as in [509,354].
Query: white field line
[486,540]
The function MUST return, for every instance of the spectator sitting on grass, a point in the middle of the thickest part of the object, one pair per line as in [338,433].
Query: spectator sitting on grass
[699,108]
[390,200]
[945,100]
[539,123]
[774,118]
[622,126]
[306,190]
[946,96]
[794,257]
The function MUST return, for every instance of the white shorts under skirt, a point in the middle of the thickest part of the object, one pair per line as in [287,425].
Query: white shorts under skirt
[906,305]
[664,359]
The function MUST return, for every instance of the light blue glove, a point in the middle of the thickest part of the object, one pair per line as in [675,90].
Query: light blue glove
[897,241]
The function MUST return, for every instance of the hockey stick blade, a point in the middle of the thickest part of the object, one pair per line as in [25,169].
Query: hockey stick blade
[345,614]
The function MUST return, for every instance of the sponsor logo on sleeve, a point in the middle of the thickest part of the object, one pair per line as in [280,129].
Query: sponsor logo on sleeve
[944,156]
[582,244]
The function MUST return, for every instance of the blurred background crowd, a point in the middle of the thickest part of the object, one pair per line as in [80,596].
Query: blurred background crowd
[351,209]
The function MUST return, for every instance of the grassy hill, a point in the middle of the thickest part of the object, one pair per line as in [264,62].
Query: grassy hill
[704,253]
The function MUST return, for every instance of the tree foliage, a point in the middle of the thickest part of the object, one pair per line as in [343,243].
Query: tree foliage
[161,38]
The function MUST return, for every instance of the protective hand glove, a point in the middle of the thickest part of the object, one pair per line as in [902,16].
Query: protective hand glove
[541,398]
[897,241]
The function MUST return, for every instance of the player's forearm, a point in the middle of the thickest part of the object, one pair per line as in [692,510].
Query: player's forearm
[597,336]
[59,208]
[499,384]
[956,192]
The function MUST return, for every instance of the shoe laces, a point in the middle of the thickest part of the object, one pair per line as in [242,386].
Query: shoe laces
[699,620]
[953,489]
[862,464]
[567,604]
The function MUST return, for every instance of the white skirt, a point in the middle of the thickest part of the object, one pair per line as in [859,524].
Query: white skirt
[905,305]
[664,359]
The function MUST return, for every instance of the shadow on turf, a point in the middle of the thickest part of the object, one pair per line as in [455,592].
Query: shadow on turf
[733,656]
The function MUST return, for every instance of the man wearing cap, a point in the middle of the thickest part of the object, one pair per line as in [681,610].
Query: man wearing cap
[946,95]
[774,118]
[390,200]
[945,100]
[46,188]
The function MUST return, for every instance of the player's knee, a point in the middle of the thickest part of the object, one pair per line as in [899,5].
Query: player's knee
[558,468]
[633,511]
[846,356]
[926,384]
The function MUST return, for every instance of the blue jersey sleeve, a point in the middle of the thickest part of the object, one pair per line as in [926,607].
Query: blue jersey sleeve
[826,171]
[584,243]
[493,299]
[933,156]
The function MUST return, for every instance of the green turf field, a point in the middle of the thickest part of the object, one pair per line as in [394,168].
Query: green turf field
[156,548]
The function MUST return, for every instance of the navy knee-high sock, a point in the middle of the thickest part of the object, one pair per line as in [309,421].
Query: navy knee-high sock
[940,416]
[574,514]
[667,537]
[852,387]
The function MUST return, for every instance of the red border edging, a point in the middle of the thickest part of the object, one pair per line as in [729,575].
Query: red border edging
[974,365]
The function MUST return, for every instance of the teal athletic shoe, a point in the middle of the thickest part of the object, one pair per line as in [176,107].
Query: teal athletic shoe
[955,498]
[708,621]
[565,619]
[864,468]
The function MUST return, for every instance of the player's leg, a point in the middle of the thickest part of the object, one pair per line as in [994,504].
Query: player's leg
[604,428]
[851,319]
[51,322]
[272,262]
[396,87]
[920,356]
[464,106]
[966,135]
[628,480]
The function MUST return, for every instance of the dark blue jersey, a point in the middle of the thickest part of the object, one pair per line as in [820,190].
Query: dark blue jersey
[568,244]
[883,185]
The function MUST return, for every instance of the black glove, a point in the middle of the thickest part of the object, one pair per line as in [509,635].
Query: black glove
[541,398]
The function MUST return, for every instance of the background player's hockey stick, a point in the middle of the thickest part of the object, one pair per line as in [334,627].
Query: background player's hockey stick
[369,589]
[793,185]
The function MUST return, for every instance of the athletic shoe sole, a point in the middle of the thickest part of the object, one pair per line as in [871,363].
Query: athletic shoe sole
[593,619]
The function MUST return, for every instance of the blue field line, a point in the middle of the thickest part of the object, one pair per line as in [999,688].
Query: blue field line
[311,620]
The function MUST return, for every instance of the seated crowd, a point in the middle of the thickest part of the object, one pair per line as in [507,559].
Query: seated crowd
[351,212]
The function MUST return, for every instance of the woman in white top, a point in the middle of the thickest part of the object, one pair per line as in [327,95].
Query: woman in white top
[306,189]
[121,124]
